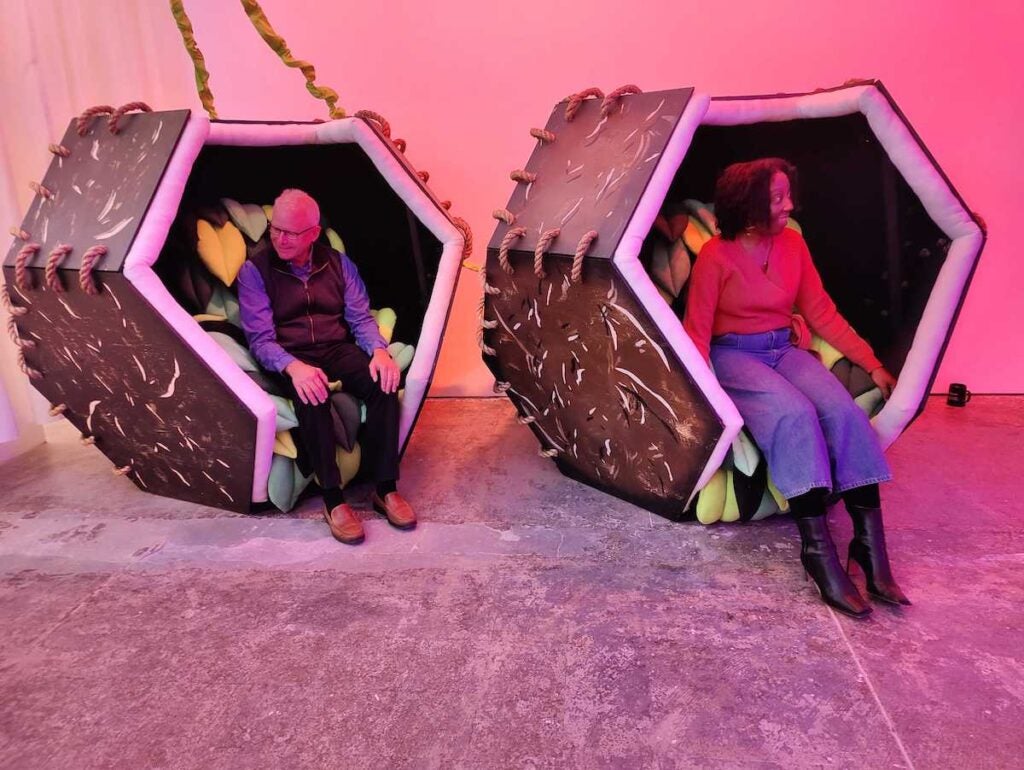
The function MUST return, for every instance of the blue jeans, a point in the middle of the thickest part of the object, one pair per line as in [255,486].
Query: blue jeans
[811,432]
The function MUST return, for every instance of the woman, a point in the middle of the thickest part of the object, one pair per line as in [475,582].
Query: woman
[743,290]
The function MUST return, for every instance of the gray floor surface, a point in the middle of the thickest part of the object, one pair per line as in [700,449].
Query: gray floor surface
[529,622]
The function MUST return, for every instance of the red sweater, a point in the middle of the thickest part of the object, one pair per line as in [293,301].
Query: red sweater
[728,292]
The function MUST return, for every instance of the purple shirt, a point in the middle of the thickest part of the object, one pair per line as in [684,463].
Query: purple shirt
[258,318]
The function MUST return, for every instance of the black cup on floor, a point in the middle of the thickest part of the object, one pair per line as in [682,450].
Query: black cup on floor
[959,395]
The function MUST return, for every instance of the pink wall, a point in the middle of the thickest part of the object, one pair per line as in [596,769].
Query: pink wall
[464,81]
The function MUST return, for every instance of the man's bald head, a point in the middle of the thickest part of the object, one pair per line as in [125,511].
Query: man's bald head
[297,202]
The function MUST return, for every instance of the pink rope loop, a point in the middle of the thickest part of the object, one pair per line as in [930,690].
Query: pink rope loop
[57,255]
[58,409]
[523,176]
[21,235]
[379,120]
[514,234]
[467,236]
[581,251]
[609,101]
[88,440]
[59,149]
[505,216]
[89,259]
[543,135]
[400,145]
[492,290]
[526,419]
[542,246]
[10,307]
[82,123]
[424,176]
[446,205]
[549,453]
[112,122]
[33,374]
[502,387]
[484,324]
[124,470]
[28,251]
[38,189]
[576,101]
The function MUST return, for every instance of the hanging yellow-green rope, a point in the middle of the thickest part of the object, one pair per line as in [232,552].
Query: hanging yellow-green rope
[277,43]
[202,76]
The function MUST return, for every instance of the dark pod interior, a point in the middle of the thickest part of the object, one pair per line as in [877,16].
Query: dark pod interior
[396,254]
[876,248]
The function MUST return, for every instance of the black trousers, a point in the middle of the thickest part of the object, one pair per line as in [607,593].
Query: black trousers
[378,438]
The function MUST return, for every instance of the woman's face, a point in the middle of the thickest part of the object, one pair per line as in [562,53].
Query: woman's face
[780,203]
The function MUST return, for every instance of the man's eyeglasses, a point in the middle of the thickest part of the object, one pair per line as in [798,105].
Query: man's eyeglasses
[280,232]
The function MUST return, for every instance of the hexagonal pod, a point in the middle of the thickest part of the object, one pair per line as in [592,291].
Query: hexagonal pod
[894,243]
[108,326]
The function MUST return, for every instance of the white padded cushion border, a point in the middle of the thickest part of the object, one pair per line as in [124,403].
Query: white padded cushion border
[138,270]
[938,199]
[626,260]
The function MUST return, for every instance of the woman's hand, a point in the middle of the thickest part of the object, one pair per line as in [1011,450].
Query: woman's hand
[383,369]
[310,382]
[884,380]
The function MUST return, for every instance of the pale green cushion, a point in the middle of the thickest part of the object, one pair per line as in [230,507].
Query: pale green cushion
[286,419]
[224,303]
[238,354]
[285,483]
[247,217]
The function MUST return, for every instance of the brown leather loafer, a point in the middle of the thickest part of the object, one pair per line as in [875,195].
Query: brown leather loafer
[345,525]
[397,509]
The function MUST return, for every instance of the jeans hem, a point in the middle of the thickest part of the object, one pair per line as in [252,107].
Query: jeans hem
[863,483]
[807,488]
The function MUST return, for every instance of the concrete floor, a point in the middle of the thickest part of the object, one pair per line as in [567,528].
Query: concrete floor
[529,622]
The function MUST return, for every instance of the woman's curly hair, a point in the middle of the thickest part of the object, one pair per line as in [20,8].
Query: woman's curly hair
[743,194]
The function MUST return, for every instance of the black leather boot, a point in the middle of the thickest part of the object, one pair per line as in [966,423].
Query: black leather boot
[868,549]
[820,560]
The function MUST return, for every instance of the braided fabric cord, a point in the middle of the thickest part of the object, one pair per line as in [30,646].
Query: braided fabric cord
[38,189]
[59,149]
[57,255]
[467,236]
[92,255]
[514,234]
[542,134]
[581,251]
[609,101]
[484,323]
[380,121]
[280,47]
[519,175]
[542,246]
[113,122]
[17,232]
[198,62]
[576,101]
[21,265]
[83,120]
[504,215]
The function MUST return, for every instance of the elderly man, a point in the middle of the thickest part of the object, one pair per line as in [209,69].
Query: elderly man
[306,314]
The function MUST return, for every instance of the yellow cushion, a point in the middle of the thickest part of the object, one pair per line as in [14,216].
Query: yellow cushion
[221,249]
[284,445]
[711,500]
[335,240]
[348,462]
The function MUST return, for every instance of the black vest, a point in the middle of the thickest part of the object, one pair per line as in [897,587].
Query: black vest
[305,315]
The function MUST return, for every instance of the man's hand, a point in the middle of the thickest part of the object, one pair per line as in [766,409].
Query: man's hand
[384,370]
[884,380]
[310,382]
